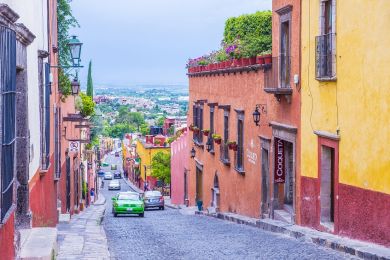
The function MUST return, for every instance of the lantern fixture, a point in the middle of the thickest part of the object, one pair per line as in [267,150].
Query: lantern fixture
[75,86]
[209,144]
[193,152]
[75,50]
[256,116]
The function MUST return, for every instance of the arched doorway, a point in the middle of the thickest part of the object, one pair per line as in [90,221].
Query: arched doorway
[215,193]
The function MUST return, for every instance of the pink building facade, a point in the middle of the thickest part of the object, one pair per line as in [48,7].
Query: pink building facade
[179,170]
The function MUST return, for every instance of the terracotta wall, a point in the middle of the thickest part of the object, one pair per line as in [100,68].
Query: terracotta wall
[43,199]
[179,164]
[7,230]
[239,193]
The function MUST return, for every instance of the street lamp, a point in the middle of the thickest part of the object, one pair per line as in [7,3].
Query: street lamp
[256,116]
[75,86]
[209,144]
[75,50]
[193,152]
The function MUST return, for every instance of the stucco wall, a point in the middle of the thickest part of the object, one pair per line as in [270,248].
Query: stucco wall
[355,107]
[33,14]
[179,163]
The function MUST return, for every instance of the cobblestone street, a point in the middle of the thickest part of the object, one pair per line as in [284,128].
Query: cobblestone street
[169,234]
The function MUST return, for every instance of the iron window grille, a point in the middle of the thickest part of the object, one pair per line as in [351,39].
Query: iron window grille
[326,56]
[278,74]
[239,157]
[8,127]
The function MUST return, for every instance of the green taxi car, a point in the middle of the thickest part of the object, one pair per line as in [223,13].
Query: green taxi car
[104,164]
[128,203]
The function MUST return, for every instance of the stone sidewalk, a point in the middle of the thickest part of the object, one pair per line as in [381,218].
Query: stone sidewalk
[356,248]
[84,237]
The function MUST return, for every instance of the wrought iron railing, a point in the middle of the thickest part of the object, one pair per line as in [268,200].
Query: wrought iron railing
[278,74]
[326,56]
[8,116]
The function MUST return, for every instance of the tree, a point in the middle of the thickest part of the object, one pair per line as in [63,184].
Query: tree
[65,21]
[85,105]
[160,121]
[89,81]
[161,166]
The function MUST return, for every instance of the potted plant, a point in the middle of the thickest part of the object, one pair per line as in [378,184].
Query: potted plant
[195,129]
[217,138]
[267,55]
[232,145]
[157,142]
[206,132]
[191,127]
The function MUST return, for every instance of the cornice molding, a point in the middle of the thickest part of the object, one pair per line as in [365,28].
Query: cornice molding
[23,34]
[7,16]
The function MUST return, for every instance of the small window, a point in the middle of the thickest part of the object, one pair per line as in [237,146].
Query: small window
[211,126]
[240,143]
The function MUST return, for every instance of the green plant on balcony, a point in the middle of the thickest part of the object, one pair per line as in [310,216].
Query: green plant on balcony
[85,105]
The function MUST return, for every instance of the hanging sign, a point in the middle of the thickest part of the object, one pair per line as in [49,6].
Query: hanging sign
[74,146]
[280,175]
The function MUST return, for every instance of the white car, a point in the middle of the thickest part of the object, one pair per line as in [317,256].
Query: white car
[114,185]
[108,176]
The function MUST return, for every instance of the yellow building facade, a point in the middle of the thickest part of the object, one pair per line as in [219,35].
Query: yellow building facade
[146,153]
[345,119]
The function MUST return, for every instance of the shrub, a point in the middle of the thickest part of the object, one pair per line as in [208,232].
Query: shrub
[85,105]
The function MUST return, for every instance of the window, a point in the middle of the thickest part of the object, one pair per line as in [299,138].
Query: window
[198,122]
[326,42]
[224,155]
[240,142]
[57,144]
[211,126]
[8,118]
[285,55]
[44,93]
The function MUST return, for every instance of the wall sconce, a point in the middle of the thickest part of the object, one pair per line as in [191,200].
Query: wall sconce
[193,153]
[260,109]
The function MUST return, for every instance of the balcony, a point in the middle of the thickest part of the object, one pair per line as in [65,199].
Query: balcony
[326,57]
[277,77]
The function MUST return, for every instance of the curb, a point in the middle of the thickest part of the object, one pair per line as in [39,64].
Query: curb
[352,247]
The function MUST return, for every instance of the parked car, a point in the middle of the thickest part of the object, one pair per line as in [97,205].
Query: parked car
[114,167]
[104,164]
[100,174]
[128,203]
[117,175]
[114,185]
[116,154]
[108,176]
[154,199]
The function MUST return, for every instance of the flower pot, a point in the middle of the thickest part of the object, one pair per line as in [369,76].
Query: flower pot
[260,60]
[196,130]
[217,141]
[206,133]
[245,62]
[267,59]
[252,61]
[232,146]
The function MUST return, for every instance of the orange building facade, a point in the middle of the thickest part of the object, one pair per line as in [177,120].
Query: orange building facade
[243,180]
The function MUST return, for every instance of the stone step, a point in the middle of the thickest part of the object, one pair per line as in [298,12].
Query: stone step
[282,215]
[38,243]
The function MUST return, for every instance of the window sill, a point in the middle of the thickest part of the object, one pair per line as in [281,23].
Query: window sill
[226,162]
[240,171]
[325,79]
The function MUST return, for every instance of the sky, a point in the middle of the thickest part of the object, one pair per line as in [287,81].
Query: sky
[135,42]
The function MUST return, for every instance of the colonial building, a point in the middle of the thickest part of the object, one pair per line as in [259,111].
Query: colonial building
[146,150]
[257,178]
[345,120]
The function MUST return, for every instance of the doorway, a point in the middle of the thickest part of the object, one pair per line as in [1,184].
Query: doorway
[185,188]
[199,184]
[264,182]
[327,187]
[289,179]
[215,193]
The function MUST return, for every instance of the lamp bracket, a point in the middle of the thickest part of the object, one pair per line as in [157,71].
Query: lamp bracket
[262,108]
